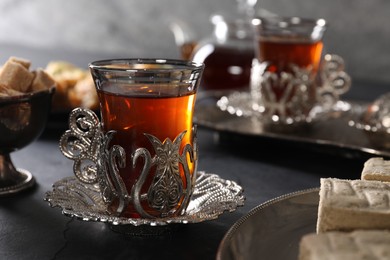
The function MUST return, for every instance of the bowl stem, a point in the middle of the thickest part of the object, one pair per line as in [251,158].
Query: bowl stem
[13,180]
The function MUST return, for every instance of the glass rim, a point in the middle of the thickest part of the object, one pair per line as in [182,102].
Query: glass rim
[288,21]
[291,29]
[131,63]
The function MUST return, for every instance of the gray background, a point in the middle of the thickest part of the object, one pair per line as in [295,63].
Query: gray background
[358,29]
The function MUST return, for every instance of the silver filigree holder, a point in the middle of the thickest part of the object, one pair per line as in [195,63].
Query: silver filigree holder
[85,143]
[374,120]
[295,105]
[97,182]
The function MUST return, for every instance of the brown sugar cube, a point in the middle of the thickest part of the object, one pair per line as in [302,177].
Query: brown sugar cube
[7,92]
[376,169]
[360,244]
[3,90]
[42,81]
[16,76]
[347,205]
[24,62]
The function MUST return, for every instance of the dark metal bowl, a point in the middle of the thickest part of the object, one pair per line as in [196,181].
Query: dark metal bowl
[22,120]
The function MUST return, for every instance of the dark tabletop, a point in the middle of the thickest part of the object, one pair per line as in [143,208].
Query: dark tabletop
[31,229]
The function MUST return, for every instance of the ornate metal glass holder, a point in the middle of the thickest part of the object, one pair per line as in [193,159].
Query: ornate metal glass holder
[97,182]
[333,81]
[374,120]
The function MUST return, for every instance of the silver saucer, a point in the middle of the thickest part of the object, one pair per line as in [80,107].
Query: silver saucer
[212,197]
[374,120]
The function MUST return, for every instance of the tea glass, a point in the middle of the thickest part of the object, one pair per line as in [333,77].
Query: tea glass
[284,73]
[147,108]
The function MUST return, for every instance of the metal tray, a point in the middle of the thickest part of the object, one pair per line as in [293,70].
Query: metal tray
[332,134]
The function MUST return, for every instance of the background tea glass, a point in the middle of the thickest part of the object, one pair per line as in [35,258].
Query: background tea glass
[288,55]
[149,103]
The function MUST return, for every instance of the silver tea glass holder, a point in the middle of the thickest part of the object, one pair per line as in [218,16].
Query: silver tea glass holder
[262,105]
[96,183]
[374,120]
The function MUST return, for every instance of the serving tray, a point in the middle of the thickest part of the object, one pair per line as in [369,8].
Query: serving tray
[334,132]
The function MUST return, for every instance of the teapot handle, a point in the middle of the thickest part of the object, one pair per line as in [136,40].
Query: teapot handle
[182,32]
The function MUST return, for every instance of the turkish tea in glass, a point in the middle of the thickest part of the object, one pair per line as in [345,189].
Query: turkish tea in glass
[150,104]
[289,52]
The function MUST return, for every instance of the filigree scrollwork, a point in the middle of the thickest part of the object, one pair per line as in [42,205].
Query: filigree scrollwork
[167,190]
[94,163]
[334,80]
[291,97]
[212,196]
[283,94]
[81,144]
[97,163]
[111,184]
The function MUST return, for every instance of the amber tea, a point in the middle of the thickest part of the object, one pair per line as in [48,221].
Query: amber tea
[288,51]
[283,54]
[149,104]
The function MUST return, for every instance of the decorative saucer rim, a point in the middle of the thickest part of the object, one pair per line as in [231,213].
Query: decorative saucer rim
[212,197]
[241,104]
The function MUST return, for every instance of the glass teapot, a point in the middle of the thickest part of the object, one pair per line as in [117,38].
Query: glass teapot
[227,54]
